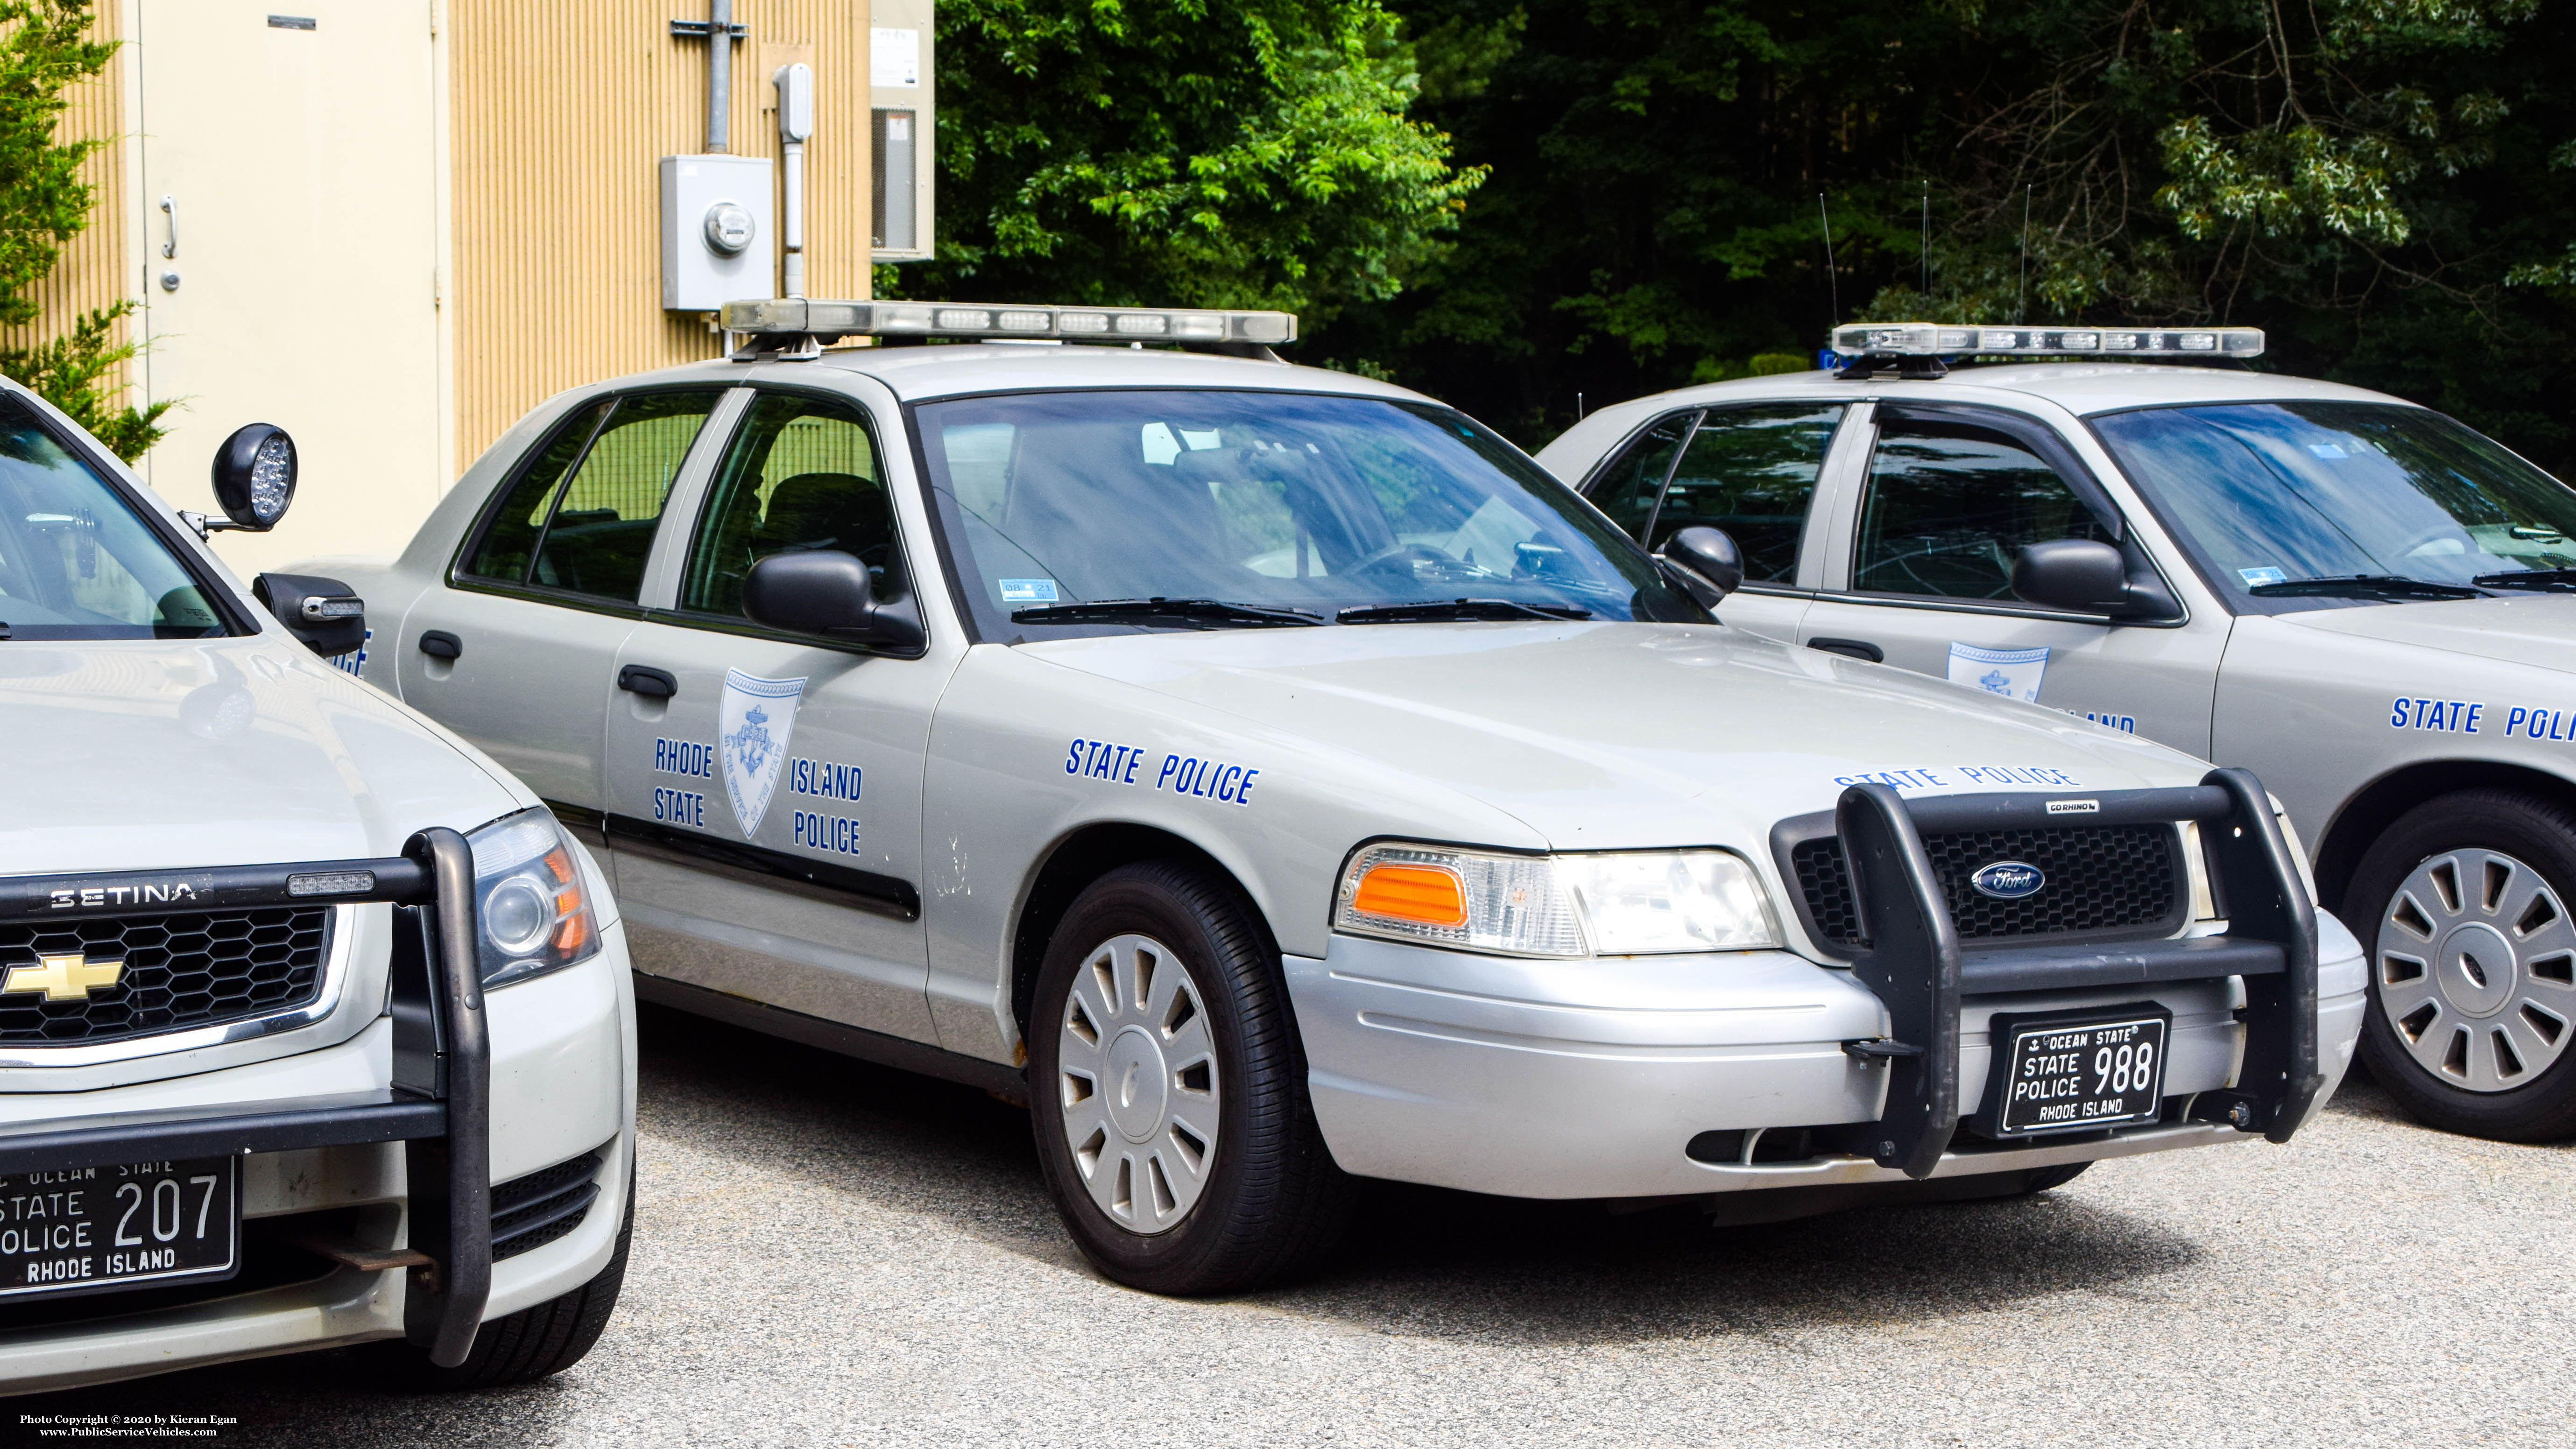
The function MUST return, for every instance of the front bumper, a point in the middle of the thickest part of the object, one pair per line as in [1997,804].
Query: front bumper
[367,1168]
[1590,1079]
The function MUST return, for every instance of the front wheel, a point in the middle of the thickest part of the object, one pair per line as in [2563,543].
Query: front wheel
[2473,964]
[528,1345]
[1168,1092]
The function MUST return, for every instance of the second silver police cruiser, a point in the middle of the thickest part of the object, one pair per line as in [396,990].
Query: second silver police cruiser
[1277,778]
[2358,598]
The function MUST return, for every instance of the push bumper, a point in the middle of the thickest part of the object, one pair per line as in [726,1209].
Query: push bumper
[1591,1079]
[438,1104]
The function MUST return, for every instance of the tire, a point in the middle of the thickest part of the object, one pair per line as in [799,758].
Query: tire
[1168,1090]
[528,1345]
[2470,1040]
[2044,1178]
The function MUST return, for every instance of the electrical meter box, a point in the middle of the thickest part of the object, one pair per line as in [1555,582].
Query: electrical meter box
[719,231]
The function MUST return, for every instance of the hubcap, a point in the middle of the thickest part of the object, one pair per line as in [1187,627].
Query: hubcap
[2477,970]
[1136,1077]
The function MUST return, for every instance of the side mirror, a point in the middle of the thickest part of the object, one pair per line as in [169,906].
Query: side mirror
[2086,576]
[322,612]
[824,591]
[1706,562]
[255,476]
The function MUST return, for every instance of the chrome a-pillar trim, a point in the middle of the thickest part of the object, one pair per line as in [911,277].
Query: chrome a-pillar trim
[335,981]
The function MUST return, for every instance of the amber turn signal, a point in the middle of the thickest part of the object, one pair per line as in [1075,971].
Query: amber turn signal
[1424,893]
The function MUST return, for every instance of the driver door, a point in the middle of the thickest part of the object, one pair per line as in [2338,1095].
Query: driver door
[1950,498]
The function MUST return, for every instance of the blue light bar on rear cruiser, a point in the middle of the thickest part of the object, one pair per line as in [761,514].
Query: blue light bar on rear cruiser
[812,317]
[1938,339]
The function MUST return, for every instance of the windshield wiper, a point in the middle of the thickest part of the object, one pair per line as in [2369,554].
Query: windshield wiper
[1205,613]
[2367,586]
[2555,581]
[1457,609]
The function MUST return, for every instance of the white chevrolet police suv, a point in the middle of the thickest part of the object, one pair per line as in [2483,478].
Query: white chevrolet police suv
[1276,777]
[315,1030]
[2361,600]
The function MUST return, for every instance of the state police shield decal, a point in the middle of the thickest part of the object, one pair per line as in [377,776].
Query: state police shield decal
[753,722]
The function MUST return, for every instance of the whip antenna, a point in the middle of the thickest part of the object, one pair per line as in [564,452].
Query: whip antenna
[1833,283]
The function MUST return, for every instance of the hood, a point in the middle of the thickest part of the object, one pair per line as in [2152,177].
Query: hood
[1616,735]
[2535,629]
[149,755]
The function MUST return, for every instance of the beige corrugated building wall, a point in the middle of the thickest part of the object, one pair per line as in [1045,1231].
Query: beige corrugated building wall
[393,226]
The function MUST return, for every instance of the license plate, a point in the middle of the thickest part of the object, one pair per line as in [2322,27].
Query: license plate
[2073,1073]
[141,1224]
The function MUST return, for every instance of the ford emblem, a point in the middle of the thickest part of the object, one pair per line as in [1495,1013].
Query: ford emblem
[2008,880]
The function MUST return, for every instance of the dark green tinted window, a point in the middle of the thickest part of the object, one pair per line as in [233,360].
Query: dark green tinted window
[602,530]
[802,475]
[1951,507]
[1752,472]
[1628,487]
[510,538]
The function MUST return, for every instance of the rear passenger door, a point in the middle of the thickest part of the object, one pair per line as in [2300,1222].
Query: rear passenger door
[1750,469]
[764,788]
[519,646]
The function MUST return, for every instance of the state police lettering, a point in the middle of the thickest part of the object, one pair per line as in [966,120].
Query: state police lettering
[823,778]
[680,807]
[1923,777]
[825,832]
[1103,760]
[2457,716]
[1205,779]
[684,757]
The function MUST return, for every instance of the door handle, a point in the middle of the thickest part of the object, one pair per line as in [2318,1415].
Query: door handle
[439,644]
[1853,648]
[647,681]
[170,209]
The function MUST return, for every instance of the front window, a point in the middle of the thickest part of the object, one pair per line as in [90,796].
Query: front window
[76,560]
[2347,501]
[1301,508]
[1950,508]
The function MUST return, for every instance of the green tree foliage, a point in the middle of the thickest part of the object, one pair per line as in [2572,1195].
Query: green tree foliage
[43,204]
[1172,152]
[2389,186]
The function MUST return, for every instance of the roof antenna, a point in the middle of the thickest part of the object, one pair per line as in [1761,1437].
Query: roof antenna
[2021,305]
[1927,242]
[1833,283]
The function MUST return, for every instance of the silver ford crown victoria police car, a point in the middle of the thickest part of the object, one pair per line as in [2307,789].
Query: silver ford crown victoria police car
[1277,777]
[2358,598]
[315,1030]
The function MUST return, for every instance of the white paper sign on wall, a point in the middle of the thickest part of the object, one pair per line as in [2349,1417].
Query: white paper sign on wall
[894,58]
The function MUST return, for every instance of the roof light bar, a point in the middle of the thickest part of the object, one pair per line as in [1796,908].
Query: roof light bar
[1935,339]
[808,317]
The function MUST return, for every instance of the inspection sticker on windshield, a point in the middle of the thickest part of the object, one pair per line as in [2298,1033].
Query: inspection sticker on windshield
[2257,578]
[1027,591]
[2012,673]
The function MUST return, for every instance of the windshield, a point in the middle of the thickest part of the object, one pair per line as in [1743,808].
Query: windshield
[76,561]
[2273,496]
[1296,505]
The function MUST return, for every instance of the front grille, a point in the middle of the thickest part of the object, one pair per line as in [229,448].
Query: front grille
[180,970]
[2101,878]
[532,1211]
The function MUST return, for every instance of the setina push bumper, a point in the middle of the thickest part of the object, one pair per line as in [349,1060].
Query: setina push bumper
[1913,961]
[438,1104]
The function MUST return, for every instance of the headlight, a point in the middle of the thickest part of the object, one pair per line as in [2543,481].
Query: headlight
[1626,903]
[529,903]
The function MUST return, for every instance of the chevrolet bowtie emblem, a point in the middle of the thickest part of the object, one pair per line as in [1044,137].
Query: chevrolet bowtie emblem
[63,978]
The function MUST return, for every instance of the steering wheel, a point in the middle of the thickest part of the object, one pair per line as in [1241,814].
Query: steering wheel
[1381,561]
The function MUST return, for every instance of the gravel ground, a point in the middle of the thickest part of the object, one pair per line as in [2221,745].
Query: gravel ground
[829,1253]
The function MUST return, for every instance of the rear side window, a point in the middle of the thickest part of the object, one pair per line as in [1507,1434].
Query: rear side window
[582,516]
